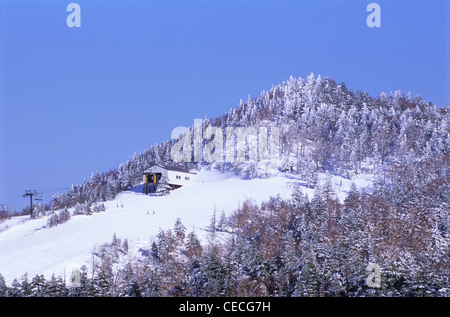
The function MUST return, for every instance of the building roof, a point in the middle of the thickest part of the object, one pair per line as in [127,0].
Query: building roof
[171,168]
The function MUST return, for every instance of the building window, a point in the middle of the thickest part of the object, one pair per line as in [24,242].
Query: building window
[186,178]
[178,177]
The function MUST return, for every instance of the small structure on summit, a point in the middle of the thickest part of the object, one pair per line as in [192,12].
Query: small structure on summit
[175,177]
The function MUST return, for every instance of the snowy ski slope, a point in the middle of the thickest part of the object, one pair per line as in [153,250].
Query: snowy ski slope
[28,246]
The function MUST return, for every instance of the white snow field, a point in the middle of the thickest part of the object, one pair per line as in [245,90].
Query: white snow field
[28,246]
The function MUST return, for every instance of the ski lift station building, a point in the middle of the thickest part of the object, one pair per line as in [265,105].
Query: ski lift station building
[176,176]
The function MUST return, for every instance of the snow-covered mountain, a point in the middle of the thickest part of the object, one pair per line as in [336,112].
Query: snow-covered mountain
[317,239]
[29,246]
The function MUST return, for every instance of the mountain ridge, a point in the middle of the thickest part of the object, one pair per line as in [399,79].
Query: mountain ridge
[359,183]
[343,129]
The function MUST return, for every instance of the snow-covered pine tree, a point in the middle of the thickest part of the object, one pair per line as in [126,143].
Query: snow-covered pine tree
[151,284]
[193,245]
[38,286]
[179,231]
[55,287]
[52,220]
[222,223]
[125,245]
[308,282]
[16,289]
[3,287]
[215,275]
[64,215]
[25,286]
[163,188]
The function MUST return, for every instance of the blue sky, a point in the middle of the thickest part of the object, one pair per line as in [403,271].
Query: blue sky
[79,100]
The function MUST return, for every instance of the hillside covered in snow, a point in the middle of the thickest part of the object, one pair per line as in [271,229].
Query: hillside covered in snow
[32,246]
[357,182]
